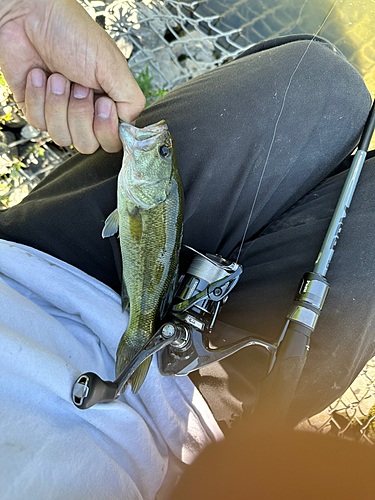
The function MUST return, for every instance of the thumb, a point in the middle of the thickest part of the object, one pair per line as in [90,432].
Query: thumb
[116,80]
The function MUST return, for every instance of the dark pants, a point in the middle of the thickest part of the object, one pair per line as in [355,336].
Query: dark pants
[271,127]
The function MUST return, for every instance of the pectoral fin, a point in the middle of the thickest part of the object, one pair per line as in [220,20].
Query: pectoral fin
[111,225]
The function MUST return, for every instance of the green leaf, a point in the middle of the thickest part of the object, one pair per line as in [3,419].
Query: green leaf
[161,92]
[2,80]
[13,174]
[144,80]
[7,117]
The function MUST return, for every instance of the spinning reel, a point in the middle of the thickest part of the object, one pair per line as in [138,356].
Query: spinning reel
[182,343]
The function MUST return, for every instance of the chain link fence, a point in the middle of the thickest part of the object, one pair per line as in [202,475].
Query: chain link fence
[351,416]
[179,39]
[169,42]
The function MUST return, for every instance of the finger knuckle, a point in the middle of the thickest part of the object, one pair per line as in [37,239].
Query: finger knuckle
[142,101]
[81,109]
[36,123]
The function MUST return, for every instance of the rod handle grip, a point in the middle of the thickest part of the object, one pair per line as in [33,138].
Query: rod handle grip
[277,389]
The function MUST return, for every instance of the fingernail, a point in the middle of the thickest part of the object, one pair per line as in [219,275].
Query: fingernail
[37,77]
[103,108]
[57,84]
[80,92]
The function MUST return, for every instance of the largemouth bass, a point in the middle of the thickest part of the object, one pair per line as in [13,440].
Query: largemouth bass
[149,218]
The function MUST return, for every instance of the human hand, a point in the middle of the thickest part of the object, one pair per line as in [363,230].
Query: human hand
[57,61]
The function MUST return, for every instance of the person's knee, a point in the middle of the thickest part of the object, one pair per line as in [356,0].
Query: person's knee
[325,66]
[327,91]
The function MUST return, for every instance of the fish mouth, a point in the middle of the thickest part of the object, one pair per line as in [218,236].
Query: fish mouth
[141,138]
[151,129]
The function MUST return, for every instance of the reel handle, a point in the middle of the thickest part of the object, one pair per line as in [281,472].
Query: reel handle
[89,389]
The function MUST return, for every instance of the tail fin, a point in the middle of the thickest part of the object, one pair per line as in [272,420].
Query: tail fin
[125,354]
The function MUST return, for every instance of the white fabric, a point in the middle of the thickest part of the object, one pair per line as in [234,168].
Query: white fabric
[55,323]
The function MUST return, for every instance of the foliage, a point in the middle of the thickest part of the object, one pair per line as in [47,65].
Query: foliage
[144,80]
[3,83]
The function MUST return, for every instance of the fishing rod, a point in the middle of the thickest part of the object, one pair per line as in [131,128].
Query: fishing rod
[277,389]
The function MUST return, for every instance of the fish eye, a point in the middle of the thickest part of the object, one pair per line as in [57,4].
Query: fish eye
[164,151]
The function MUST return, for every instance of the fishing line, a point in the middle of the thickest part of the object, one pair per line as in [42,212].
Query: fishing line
[278,119]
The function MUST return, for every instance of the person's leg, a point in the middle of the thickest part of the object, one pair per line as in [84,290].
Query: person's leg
[64,216]
[305,128]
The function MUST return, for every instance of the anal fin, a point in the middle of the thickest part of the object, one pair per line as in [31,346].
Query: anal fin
[124,296]
[138,377]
